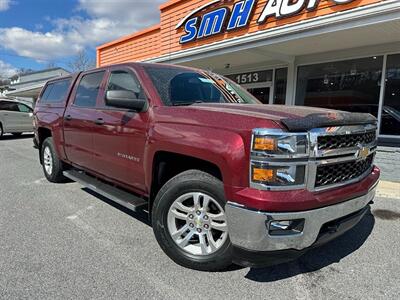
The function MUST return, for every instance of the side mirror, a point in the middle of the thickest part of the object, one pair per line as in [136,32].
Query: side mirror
[125,99]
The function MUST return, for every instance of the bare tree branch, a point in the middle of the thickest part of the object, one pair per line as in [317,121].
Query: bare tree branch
[81,62]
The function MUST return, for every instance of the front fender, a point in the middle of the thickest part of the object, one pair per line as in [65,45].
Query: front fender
[225,149]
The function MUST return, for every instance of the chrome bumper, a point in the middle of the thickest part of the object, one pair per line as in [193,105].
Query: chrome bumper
[248,228]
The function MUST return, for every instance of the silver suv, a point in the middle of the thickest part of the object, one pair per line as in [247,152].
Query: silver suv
[15,117]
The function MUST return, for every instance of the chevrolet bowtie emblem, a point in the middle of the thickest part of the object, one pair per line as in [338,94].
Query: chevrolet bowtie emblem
[363,153]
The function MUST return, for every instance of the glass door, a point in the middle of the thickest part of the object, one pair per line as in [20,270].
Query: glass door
[262,94]
[263,91]
[258,83]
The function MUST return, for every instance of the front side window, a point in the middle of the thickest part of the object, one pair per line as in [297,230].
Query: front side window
[350,85]
[56,92]
[125,81]
[23,108]
[179,86]
[88,89]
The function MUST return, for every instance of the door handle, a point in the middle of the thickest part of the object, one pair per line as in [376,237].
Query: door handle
[99,121]
[68,118]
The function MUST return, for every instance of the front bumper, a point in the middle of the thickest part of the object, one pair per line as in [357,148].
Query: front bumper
[249,229]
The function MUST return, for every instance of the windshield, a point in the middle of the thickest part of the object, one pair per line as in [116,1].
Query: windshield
[178,86]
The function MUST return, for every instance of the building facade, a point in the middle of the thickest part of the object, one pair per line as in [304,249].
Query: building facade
[342,54]
[28,86]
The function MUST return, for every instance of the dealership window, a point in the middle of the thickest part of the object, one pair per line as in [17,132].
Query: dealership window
[351,85]
[280,86]
[390,118]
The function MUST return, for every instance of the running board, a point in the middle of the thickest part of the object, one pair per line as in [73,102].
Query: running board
[117,195]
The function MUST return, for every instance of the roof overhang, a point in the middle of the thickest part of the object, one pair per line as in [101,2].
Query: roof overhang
[32,91]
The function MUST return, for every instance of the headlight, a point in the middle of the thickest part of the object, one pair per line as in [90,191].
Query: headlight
[271,175]
[280,143]
[278,159]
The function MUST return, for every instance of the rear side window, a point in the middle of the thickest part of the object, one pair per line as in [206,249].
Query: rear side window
[9,106]
[88,89]
[56,91]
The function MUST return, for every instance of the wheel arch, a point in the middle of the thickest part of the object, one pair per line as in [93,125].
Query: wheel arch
[43,134]
[167,165]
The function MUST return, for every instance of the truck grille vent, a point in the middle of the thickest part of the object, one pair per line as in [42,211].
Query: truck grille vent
[341,172]
[329,142]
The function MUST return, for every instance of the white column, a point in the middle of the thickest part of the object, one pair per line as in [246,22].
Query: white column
[291,83]
[382,92]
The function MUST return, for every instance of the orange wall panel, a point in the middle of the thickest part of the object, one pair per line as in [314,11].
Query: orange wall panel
[137,47]
[163,39]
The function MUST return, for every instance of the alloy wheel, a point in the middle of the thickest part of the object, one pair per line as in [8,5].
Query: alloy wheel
[197,223]
[48,160]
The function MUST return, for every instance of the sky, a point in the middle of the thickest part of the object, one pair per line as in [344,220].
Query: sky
[37,33]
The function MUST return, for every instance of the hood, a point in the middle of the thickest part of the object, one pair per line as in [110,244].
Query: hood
[293,118]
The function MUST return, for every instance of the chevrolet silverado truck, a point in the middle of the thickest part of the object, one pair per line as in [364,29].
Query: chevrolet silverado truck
[224,179]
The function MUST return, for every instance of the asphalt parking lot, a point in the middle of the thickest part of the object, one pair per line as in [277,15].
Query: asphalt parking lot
[60,241]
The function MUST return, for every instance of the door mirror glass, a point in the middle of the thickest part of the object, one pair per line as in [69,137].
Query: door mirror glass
[125,99]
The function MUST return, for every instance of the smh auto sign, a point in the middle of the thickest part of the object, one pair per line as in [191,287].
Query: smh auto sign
[223,19]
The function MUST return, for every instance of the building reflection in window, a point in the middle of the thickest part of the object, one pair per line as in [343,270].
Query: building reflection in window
[390,119]
[280,86]
[351,85]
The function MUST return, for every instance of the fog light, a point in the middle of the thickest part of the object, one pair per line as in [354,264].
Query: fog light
[272,175]
[262,174]
[285,227]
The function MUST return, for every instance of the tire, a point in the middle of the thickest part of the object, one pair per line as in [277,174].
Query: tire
[212,251]
[52,166]
[17,134]
[1,131]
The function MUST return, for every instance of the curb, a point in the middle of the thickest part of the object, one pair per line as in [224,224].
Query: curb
[388,189]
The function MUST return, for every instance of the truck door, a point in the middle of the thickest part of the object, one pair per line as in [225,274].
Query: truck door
[80,117]
[120,135]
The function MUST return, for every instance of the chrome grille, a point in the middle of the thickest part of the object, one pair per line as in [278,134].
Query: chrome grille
[334,157]
[342,172]
[329,142]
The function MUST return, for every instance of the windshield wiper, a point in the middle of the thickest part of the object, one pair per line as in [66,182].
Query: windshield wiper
[187,103]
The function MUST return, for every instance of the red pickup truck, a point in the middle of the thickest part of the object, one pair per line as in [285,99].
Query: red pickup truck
[224,178]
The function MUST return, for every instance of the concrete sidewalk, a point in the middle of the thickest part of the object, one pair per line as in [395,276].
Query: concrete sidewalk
[388,160]
[388,189]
